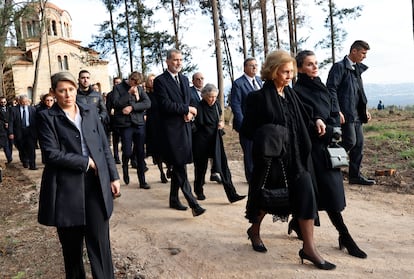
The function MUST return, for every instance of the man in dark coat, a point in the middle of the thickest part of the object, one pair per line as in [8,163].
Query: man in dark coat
[241,87]
[86,95]
[22,130]
[5,142]
[172,91]
[346,88]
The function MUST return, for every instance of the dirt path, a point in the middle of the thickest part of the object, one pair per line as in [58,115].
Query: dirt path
[215,244]
[150,240]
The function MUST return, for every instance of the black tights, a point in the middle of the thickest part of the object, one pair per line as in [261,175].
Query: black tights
[338,222]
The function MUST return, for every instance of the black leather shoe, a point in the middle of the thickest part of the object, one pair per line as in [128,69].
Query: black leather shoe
[236,198]
[325,265]
[201,197]
[117,161]
[198,210]
[178,206]
[361,181]
[259,246]
[168,173]
[145,186]
[33,168]
[163,178]
[215,177]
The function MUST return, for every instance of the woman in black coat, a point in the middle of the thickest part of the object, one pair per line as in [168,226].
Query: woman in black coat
[208,143]
[79,180]
[315,95]
[276,105]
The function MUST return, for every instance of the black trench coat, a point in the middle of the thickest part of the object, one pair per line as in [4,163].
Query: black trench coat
[62,192]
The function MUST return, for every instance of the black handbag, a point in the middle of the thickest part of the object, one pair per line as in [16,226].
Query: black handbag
[337,157]
[275,197]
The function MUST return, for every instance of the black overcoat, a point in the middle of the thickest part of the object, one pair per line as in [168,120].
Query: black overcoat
[62,192]
[174,101]
[330,181]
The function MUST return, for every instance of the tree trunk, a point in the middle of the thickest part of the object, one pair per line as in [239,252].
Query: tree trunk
[5,23]
[111,21]
[290,25]
[175,25]
[276,25]
[42,5]
[141,35]
[264,27]
[331,20]
[251,27]
[243,35]
[129,36]
[218,52]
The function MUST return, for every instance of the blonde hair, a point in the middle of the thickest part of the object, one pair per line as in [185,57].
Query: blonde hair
[273,61]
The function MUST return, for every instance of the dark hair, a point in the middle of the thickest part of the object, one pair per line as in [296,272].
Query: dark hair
[359,44]
[82,72]
[300,57]
[247,60]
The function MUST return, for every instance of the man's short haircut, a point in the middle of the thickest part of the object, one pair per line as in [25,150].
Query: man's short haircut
[247,60]
[82,72]
[359,44]
[171,51]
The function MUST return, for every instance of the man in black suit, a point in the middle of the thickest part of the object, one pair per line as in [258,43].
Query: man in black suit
[172,91]
[22,129]
[241,87]
[4,122]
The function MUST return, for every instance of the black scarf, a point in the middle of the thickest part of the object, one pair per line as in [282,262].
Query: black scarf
[313,83]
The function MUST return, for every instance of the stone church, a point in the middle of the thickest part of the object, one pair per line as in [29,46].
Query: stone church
[60,52]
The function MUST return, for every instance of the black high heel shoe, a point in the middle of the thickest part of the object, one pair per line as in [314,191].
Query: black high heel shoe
[325,265]
[346,241]
[257,247]
[294,225]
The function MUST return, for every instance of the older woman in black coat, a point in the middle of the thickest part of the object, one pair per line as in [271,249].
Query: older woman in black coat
[79,180]
[316,96]
[276,105]
[208,143]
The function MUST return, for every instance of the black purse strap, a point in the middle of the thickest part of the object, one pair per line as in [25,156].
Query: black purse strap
[269,164]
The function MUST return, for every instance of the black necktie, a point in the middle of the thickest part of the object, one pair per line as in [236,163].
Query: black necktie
[24,118]
[177,80]
[255,84]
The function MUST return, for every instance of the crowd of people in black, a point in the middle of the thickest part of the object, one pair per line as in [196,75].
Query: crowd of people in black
[283,131]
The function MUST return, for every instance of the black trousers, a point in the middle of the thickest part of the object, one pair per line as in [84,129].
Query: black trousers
[96,236]
[179,180]
[26,146]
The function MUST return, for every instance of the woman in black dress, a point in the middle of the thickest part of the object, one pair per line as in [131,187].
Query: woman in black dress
[208,143]
[277,104]
[314,94]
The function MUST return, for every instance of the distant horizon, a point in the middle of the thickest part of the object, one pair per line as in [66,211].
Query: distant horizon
[393,94]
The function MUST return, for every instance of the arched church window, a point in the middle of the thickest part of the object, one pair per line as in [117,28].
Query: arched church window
[65,63]
[60,63]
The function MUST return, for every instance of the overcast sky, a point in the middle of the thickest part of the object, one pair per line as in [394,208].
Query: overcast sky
[385,25]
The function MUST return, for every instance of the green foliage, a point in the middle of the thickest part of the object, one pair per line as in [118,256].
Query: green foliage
[20,274]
